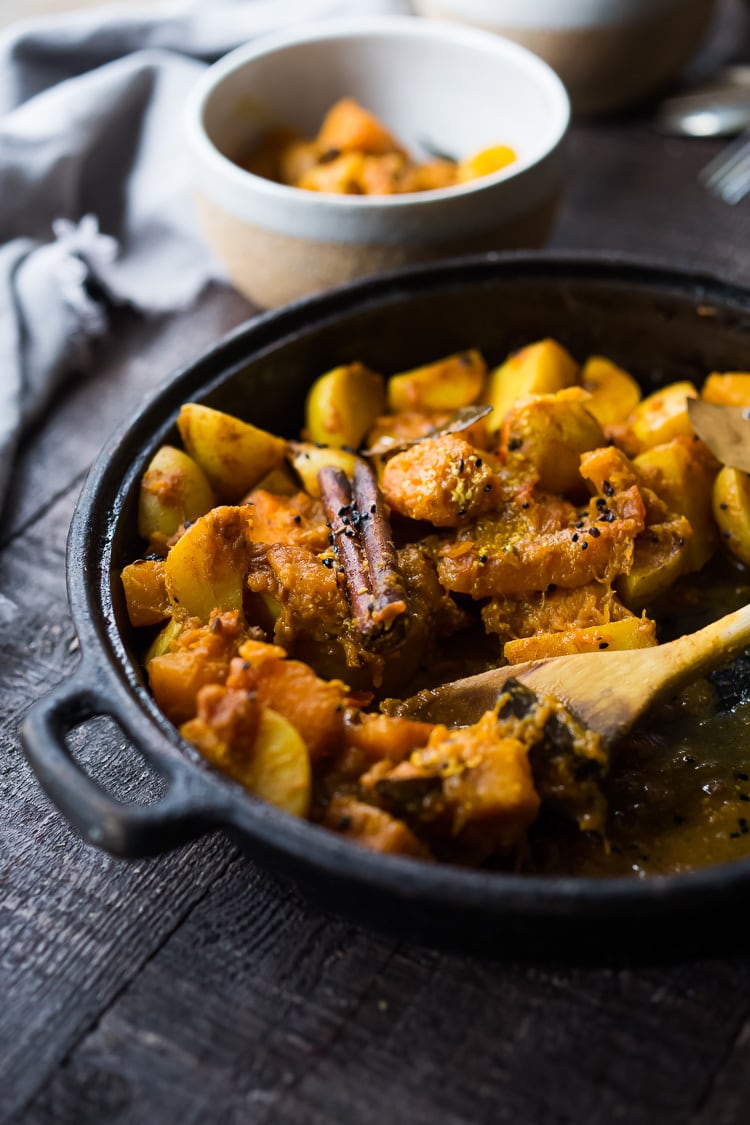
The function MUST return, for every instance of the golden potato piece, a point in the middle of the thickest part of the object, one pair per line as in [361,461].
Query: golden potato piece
[731,506]
[614,393]
[729,389]
[663,415]
[233,454]
[278,770]
[550,432]
[206,567]
[683,475]
[174,489]
[632,632]
[146,592]
[661,556]
[484,163]
[343,404]
[446,384]
[162,642]
[541,368]
[308,460]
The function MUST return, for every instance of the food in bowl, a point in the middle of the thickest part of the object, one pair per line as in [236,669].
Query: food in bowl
[452,89]
[438,522]
[354,154]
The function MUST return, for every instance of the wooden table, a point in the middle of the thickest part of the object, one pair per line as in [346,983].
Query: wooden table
[194,988]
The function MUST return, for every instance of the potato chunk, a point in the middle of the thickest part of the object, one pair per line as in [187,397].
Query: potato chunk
[682,473]
[206,567]
[146,592]
[731,506]
[614,393]
[484,163]
[446,384]
[343,404]
[550,432]
[234,455]
[254,745]
[632,632]
[174,489]
[732,388]
[663,415]
[308,460]
[541,368]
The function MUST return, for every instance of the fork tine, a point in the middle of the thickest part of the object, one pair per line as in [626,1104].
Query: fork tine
[728,174]
[734,184]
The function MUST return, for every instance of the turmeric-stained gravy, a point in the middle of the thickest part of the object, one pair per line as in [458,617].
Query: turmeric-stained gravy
[409,536]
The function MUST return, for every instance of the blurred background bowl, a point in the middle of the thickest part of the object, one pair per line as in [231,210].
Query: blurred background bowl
[453,89]
[609,53]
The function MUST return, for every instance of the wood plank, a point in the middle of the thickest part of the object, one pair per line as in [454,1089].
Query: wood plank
[288,1015]
[75,925]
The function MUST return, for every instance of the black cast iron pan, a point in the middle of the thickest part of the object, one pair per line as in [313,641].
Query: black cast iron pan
[658,323]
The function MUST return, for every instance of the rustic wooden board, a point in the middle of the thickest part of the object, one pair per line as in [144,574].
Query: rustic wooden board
[195,987]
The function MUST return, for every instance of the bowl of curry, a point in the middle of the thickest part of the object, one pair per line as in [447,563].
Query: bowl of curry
[392,486]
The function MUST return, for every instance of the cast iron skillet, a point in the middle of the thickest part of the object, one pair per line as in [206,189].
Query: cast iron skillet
[658,323]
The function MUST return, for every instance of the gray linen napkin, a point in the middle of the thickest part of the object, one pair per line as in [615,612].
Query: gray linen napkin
[93,183]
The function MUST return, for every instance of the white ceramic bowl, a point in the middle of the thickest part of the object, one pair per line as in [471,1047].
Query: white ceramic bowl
[609,53]
[456,88]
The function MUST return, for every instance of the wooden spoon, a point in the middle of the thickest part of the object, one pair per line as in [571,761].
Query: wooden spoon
[607,691]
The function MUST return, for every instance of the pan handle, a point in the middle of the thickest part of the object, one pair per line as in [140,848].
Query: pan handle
[183,813]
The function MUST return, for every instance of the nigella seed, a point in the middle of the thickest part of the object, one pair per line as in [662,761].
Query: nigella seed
[328,563]
[594,532]
[574,537]
[297,519]
[525,504]
[488,488]
[513,444]
[483,558]
[461,512]
[551,587]
[601,503]
[584,546]
[479,462]
[461,465]
[603,644]
[579,523]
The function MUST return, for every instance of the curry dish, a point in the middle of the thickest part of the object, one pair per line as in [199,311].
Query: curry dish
[354,154]
[426,526]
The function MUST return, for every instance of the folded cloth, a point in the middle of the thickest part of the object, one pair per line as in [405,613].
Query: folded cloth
[93,178]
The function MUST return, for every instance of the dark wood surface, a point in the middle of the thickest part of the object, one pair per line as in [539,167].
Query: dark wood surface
[195,988]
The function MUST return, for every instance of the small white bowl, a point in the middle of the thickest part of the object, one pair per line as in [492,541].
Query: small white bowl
[609,53]
[453,88]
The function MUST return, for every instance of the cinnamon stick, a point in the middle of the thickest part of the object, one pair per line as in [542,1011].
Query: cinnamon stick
[361,536]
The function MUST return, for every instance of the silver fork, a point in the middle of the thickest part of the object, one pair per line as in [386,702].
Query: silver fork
[728,174]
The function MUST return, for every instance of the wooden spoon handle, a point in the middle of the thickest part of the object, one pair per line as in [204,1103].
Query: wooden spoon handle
[696,654]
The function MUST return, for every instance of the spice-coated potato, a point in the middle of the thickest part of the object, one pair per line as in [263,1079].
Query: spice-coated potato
[732,388]
[447,384]
[661,556]
[278,768]
[614,393]
[174,489]
[308,460]
[550,432]
[731,504]
[682,473]
[663,415]
[343,404]
[162,642]
[233,454]
[206,567]
[632,632]
[146,592]
[538,369]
